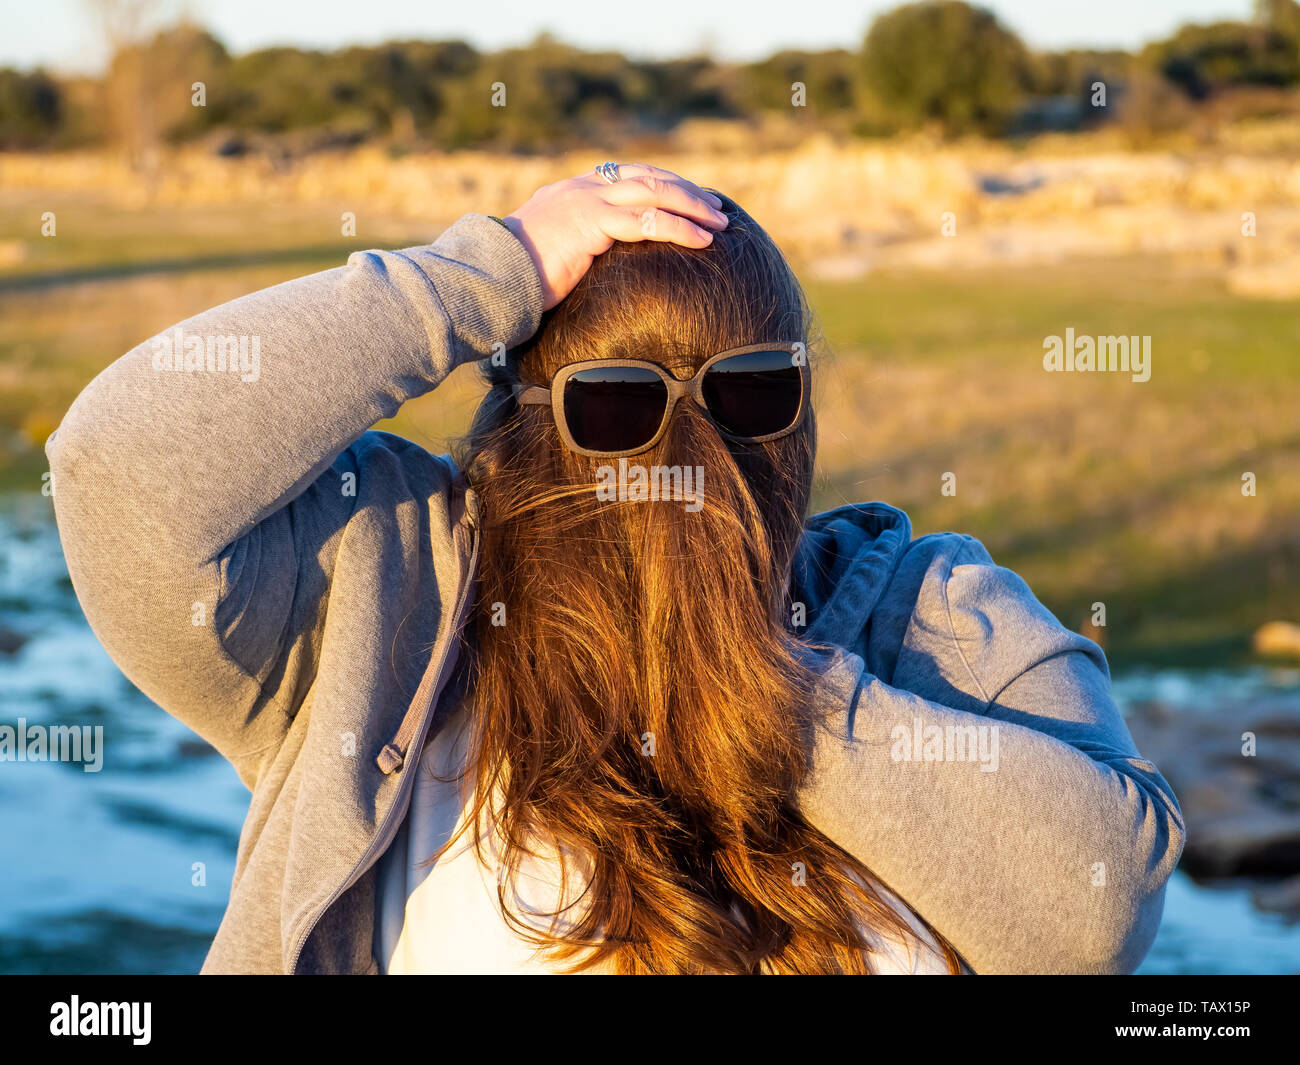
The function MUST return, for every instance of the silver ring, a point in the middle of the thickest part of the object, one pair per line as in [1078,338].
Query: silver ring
[609,171]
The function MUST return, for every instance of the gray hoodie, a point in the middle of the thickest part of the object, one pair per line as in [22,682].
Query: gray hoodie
[292,586]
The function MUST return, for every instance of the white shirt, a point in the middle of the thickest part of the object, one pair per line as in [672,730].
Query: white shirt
[446,918]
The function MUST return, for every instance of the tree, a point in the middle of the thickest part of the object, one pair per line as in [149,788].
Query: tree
[1280,15]
[830,79]
[945,62]
[1203,60]
[31,108]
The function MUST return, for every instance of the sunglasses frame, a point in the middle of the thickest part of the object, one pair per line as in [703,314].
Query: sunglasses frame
[552,395]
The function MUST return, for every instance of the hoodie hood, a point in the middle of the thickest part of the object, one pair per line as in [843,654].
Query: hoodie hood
[845,560]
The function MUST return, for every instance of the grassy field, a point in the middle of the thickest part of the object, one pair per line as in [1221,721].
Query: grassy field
[1095,488]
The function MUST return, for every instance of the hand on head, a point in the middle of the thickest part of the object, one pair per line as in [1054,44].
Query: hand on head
[566,225]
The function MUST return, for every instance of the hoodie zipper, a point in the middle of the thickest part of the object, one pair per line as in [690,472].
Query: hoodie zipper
[383,837]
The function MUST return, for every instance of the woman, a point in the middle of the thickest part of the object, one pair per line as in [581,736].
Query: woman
[502,713]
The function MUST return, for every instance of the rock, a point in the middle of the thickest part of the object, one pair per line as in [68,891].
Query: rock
[1236,772]
[1277,638]
[11,642]
[1282,897]
[13,252]
[1250,842]
[1269,281]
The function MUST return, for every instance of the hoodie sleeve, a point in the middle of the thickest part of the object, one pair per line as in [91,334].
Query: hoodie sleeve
[200,509]
[994,784]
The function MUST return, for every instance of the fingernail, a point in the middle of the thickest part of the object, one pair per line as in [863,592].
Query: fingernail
[720,218]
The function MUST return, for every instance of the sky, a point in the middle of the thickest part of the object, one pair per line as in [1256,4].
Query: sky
[62,35]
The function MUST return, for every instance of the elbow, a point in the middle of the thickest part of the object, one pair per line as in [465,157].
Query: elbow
[1124,938]
[72,439]
[1117,933]
[87,467]
[62,449]
[73,472]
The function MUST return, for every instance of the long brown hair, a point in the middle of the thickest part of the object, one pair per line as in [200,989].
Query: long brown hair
[638,700]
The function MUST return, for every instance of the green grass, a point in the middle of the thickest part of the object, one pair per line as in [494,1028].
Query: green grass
[1094,488]
[1197,327]
[93,238]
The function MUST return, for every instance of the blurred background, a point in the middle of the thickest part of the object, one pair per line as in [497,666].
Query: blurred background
[954,185]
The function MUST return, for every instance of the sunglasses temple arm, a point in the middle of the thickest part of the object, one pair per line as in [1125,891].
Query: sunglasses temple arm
[532,395]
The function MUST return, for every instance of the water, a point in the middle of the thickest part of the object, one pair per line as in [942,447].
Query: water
[1215,929]
[128,869]
[99,868]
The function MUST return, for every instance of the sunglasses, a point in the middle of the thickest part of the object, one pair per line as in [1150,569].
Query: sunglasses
[612,407]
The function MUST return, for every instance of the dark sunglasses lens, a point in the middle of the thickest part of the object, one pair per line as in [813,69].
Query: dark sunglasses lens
[754,394]
[614,409]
